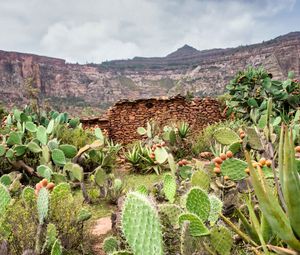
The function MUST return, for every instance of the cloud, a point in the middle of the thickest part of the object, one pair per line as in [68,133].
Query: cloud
[98,30]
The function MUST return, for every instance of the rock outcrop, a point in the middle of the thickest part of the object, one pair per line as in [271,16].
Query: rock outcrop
[72,87]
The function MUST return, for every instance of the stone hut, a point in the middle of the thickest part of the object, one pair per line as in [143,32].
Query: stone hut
[123,119]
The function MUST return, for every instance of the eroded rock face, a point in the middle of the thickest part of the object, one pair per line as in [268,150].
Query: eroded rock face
[72,87]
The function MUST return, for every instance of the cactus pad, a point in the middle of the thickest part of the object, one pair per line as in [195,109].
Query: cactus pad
[100,176]
[33,147]
[44,171]
[235,147]
[110,244]
[41,135]
[170,187]
[197,202]
[253,139]
[28,195]
[226,136]
[197,227]
[5,180]
[141,226]
[172,212]
[221,240]
[201,179]
[187,242]
[161,155]
[2,150]
[70,151]
[4,198]
[234,169]
[215,209]
[43,204]
[58,157]
[84,215]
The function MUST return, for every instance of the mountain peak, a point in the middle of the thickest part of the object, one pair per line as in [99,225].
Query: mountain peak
[185,50]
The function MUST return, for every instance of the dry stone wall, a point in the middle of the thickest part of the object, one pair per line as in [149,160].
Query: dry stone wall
[126,116]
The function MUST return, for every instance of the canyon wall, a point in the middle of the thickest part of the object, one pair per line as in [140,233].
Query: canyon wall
[74,87]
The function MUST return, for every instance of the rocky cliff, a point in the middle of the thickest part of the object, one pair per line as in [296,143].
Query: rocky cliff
[73,87]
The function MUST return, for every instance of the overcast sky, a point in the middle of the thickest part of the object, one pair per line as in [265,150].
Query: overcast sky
[98,30]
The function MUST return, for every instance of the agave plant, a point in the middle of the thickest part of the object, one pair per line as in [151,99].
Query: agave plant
[283,215]
[183,129]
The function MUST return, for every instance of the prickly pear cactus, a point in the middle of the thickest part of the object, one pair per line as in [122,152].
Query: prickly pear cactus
[84,215]
[187,242]
[4,198]
[201,179]
[197,202]
[110,244]
[5,180]
[100,176]
[58,157]
[41,135]
[253,139]
[2,150]
[56,248]
[170,187]
[234,169]
[43,204]
[197,227]
[221,240]
[172,212]
[226,136]
[235,147]
[45,171]
[141,226]
[215,209]
[70,151]
[28,195]
[161,155]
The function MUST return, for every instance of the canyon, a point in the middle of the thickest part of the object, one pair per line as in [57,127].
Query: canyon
[92,88]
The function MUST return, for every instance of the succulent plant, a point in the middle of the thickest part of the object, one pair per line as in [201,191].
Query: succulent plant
[43,204]
[226,136]
[170,187]
[215,209]
[110,244]
[187,242]
[286,226]
[200,179]
[197,227]
[234,169]
[197,202]
[141,225]
[221,240]
[172,212]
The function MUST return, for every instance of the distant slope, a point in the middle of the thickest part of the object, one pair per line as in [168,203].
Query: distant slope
[74,87]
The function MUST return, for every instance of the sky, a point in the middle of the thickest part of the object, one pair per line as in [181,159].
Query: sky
[85,31]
